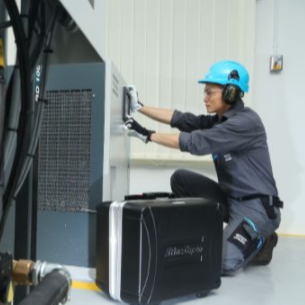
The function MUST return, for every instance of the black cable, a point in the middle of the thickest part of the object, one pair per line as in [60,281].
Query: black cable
[26,109]
[35,53]
[41,105]
[23,166]
[25,161]
[12,111]
[2,112]
[5,25]
[33,13]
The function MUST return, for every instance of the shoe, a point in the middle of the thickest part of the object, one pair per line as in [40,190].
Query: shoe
[264,256]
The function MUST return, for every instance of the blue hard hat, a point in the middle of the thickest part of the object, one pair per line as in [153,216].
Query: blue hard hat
[228,72]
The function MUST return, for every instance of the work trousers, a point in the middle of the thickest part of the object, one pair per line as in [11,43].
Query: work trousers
[186,183]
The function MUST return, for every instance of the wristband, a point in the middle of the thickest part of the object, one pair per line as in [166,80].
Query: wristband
[150,132]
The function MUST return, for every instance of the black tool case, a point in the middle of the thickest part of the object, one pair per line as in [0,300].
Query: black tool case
[152,250]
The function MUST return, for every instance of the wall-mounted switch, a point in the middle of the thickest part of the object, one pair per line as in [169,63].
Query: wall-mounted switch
[276,63]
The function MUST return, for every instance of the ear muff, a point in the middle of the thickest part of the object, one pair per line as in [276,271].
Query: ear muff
[231,93]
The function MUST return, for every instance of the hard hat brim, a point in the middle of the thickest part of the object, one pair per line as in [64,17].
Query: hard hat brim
[221,83]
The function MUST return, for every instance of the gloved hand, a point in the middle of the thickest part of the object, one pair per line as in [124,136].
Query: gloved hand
[136,130]
[135,104]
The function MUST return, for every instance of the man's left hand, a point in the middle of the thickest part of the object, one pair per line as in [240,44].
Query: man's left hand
[136,130]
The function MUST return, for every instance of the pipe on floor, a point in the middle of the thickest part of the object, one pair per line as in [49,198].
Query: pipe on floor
[52,290]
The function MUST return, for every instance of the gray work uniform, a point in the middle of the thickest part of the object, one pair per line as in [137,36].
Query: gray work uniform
[238,144]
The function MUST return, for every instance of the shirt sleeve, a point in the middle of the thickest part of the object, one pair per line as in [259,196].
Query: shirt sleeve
[189,122]
[236,133]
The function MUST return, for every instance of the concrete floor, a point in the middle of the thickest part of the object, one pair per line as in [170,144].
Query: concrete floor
[280,283]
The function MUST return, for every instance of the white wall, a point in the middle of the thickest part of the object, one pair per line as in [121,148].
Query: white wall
[165,46]
[155,176]
[279,99]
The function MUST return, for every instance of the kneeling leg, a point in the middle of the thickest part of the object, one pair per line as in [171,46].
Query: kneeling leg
[241,242]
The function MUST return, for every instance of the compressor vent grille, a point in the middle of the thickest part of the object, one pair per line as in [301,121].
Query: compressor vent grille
[64,152]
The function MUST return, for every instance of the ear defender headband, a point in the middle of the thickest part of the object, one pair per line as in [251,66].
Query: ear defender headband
[231,93]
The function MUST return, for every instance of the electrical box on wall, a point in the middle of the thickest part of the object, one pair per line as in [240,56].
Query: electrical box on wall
[276,63]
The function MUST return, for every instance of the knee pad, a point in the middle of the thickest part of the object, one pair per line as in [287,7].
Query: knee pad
[246,238]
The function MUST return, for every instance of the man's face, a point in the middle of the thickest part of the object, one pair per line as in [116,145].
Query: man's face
[213,99]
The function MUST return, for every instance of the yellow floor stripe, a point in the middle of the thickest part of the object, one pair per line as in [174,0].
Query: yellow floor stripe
[85,285]
[291,235]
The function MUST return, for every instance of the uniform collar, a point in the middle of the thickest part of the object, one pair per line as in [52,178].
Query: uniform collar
[236,107]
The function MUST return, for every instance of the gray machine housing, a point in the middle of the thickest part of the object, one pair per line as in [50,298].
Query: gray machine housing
[83,159]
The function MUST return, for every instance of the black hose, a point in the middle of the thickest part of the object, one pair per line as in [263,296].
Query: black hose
[26,107]
[12,112]
[25,152]
[50,291]
[36,51]
[2,111]
[41,104]
[33,12]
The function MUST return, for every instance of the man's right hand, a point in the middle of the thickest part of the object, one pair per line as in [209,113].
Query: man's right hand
[135,104]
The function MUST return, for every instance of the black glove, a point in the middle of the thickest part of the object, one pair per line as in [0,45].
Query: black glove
[136,130]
